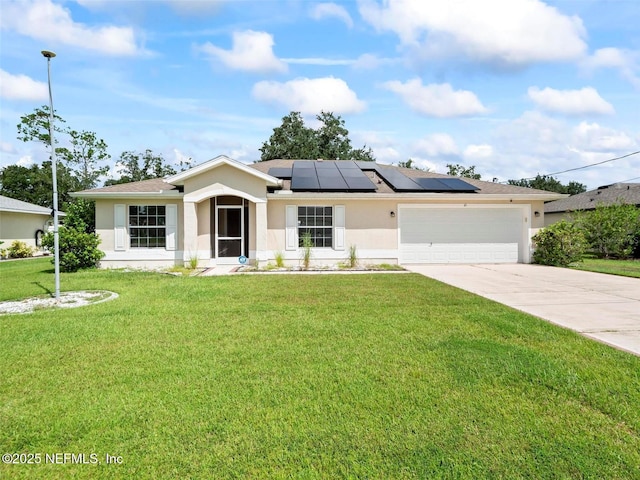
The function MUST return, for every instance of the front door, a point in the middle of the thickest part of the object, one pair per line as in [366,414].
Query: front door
[230,233]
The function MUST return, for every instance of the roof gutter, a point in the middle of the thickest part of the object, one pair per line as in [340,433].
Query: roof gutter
[114,195]
[413,196]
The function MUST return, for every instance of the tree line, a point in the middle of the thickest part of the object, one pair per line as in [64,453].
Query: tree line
[82,158]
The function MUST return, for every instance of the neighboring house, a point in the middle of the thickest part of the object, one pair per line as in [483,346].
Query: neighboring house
[605,195]
[222,211]
[23,221]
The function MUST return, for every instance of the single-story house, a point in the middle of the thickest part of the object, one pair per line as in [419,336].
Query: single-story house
[606,195]
[23,221]
[226,212]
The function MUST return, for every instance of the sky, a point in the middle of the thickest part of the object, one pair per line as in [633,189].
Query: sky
[515,88]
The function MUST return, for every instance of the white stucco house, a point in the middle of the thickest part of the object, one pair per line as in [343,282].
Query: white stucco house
[23,221]
[226,212]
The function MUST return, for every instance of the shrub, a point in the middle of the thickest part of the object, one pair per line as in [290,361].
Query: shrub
[353,257]
[559,244]
[19,249]
[612,230]
[78,249]
[307,244]
[279,258]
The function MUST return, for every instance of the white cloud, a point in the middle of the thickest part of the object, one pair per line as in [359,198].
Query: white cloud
[52,23]
[627,62]
[595,138]
[436,100]
[571,102]
[310,95]
[535,143]
[25,161]
[21,87]
[368,61]
[252,52]
[328,10]
[503,32]
[325,62]
[474,152]
[436,145]
[6,147]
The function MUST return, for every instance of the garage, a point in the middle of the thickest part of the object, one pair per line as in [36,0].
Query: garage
[463,234]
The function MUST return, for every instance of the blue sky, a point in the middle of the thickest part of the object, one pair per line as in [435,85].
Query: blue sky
[514,87]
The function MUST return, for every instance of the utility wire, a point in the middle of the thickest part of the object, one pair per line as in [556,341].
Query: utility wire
[585,166]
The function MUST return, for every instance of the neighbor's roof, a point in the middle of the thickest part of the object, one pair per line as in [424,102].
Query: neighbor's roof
[606,195]
[8,204]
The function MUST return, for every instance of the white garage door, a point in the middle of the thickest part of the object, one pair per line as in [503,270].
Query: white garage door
[461,235]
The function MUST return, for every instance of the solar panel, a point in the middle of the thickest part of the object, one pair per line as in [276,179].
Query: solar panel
[398,181]
[330,178]
[433,185]
[304,177]
[356,179]
[458,185]
[280,172]
[347,165]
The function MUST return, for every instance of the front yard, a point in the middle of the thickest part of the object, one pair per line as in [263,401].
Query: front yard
[625,268]
[305,376]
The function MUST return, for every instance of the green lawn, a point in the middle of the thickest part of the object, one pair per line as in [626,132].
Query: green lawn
[385,376]
[626,268]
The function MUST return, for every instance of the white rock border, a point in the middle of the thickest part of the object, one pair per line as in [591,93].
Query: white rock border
[79,298]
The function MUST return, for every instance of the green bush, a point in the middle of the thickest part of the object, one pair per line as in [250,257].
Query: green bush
[78,249]
[611,231]
[19,249]
[559,244]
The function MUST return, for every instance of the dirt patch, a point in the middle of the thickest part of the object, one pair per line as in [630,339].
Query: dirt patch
[79,298]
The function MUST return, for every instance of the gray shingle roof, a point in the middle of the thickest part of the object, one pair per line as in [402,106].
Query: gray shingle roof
[159,185]
[155,185]
[8,204]
[606,195]
[485,187]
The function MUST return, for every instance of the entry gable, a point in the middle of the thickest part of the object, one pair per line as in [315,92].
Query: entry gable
[221,160]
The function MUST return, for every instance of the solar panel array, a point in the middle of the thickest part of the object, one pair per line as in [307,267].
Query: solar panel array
[349,176]
[320,176]
[445,185]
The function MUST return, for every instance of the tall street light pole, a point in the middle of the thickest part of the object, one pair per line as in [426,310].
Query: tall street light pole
[54,169]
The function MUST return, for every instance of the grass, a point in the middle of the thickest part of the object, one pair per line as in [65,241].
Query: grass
[626,268]
[306,376]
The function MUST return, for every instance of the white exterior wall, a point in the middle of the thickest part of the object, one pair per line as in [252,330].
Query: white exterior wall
[21,226]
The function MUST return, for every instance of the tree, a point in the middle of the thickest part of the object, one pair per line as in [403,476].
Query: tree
[34,184]
[85,154]
[611,230]
[458,170]
[293,140]
[136,166]
[35,126]
[412,165]
[550,184]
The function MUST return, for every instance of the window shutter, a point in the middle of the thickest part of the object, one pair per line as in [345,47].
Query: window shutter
[338,227]
[291,231]
[172,226]
[119,227]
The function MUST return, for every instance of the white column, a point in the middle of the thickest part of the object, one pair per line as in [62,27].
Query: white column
[261,232]
[190,229]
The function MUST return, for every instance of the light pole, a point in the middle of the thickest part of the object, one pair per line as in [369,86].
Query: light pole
[54,169]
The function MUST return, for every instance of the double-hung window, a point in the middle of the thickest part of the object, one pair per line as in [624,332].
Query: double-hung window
[317,223]
[147,226]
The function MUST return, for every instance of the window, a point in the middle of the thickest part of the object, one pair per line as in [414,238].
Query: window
[147,226]
[317,222]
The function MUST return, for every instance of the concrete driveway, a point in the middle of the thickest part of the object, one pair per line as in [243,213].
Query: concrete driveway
[599,306]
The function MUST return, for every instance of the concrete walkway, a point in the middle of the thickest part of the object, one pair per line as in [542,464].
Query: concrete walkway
[599,306]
